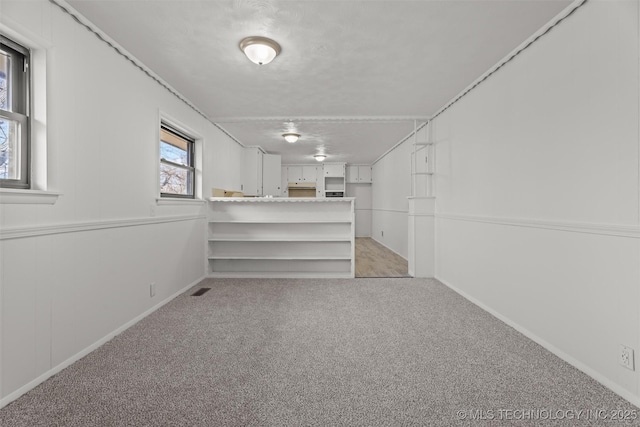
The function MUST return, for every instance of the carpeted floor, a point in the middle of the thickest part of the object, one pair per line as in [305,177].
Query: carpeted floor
[366,352]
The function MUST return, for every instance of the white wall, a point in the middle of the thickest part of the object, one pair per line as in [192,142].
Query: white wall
[75,271]
[362,193]
[538,192]
[391,187]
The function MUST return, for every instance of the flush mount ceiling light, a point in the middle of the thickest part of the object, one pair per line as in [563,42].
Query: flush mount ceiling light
[291,137]
[320,157]
[260,50]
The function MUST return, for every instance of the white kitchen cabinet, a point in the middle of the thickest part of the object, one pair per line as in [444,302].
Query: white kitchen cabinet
[302,174]
[299,174]
[285,181]
[294,173]
[319,182]
[309,173]
[333,170]
[364,174]
[359,174]
[252,171]
[334,185]
[272,175]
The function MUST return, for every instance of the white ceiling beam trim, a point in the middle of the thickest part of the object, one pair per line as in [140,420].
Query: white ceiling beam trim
[412,133]
[569,10]
[89,26]
[324,119]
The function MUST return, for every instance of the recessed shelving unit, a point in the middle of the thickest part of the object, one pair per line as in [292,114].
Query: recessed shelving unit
[423,162]
[280,237]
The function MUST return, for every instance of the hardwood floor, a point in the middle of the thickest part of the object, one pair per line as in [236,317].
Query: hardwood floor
[374,260]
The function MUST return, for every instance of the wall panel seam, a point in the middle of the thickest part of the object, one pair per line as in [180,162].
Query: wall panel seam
[77,227]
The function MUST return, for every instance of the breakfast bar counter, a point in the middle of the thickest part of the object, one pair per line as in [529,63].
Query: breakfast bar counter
[280,237]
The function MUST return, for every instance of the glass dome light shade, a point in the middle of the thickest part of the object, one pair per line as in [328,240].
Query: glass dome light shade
[260,50]
[291,137]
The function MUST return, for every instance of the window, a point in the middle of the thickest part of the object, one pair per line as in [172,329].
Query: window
[14,114]
[177,171]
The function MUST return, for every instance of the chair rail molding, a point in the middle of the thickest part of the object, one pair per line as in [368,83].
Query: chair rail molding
[628,231]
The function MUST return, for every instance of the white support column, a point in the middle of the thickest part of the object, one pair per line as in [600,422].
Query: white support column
[421,236]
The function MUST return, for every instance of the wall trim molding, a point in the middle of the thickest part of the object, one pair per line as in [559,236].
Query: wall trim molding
[391,210]
[321,119]
[524,45]
[628,231]
[77,227]
[557,20]
[626,394]
[102,36]
[82,353]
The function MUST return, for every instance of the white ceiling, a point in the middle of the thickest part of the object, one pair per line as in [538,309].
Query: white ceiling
[352,75]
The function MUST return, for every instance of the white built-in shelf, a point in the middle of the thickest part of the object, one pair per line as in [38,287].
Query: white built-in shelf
[279,221]
[280,237]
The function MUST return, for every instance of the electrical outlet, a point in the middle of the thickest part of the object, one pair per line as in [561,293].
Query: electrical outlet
[152,290]
[382,233]
[625,357]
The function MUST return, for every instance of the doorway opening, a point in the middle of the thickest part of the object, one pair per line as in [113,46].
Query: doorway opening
[375,260]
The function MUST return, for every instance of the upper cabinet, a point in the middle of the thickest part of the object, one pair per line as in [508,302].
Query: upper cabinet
[309,173]
[294,173]
[271,175]
[302,174]
[333,170]
[285,181]
[359,174]
[334,179]
[252,171]
[261,173]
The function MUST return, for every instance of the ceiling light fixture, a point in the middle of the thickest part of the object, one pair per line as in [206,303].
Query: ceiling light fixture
[291,137]
[320,157]
[260,50]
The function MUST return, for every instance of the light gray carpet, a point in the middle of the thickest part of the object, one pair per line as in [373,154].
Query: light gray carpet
[367,352]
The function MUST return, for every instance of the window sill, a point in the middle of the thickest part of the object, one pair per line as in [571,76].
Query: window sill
[10,196]
[178,201]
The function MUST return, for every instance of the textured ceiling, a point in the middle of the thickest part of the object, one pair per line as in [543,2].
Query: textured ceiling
[352,75]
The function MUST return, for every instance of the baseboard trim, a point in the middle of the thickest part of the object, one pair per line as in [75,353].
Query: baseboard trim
[624,393]
[378,241]
[51,372]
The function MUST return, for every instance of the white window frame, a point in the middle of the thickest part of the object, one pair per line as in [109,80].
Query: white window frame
[39,191]
[20,107]
[181,127]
